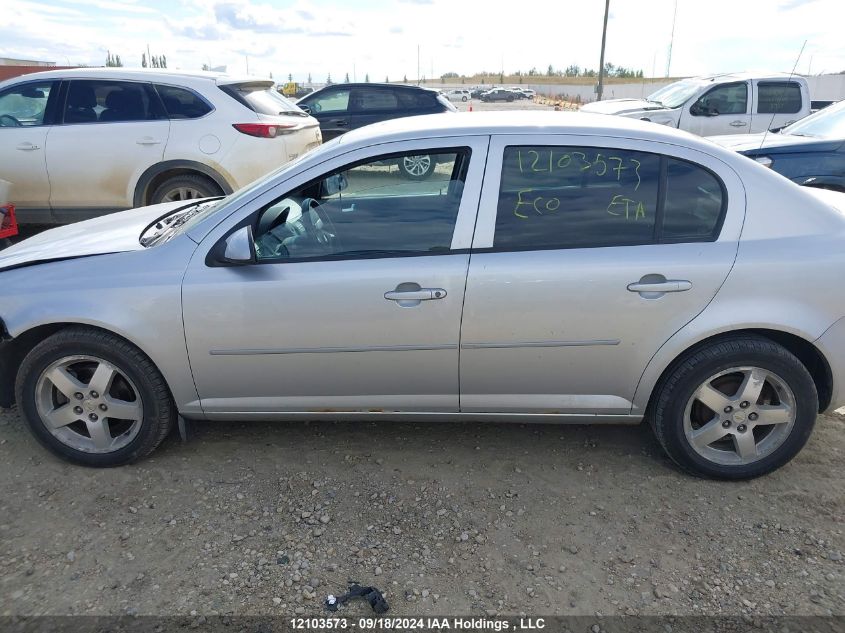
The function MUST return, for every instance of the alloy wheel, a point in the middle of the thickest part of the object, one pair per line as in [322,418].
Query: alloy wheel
[417,165]
[182,193]
[739,416]
[89,404]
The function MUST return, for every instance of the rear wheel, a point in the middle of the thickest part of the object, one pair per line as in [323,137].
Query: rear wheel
[417,167]
[736,409]
[185,187]
[5,243]
[93,398]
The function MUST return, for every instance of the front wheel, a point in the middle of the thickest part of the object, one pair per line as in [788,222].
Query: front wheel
[417,167]
[93,398]
[184,188]
[735,409]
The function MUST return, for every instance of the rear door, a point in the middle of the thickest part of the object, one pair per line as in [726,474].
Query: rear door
[724,109]
[588,255]
[25,115]
[776,104]
[111,132]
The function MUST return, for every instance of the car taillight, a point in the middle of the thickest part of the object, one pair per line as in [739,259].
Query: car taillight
[263,130]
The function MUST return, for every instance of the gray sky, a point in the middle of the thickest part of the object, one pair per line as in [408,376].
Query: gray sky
[380,37]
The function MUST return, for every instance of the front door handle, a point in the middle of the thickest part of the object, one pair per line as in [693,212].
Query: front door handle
[410,294]
[147,140]
[27,147]
[738,123]
[655,286]
[339,122]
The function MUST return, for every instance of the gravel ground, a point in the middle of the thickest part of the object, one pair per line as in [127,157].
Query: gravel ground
[471,519]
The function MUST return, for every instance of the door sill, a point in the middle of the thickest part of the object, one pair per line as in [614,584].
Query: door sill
[349,416]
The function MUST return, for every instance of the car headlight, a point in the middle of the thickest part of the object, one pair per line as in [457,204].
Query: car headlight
[765,161]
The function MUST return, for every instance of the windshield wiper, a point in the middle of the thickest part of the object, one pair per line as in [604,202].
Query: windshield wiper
[170,223]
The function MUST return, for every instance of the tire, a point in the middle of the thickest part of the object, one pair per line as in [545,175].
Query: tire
[5,243]
[417,167]
[185,187]
[463,98]
[510,99]
[679,415]
[136,388]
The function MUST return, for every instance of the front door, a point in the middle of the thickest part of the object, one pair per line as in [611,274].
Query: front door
[724,109]
[112,132]
[575,281]
[331,108]
[355,302]
[24,125]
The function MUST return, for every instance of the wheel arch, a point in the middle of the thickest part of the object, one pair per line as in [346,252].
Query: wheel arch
[14,349]
[806,352]
[158,173]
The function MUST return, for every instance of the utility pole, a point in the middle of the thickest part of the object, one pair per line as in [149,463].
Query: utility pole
[600,89]
[418,64]
[671,39]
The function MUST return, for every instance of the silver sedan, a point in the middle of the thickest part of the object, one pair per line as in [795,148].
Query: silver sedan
[552,268]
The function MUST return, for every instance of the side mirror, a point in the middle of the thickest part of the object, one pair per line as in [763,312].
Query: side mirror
[239,248]
[306,109]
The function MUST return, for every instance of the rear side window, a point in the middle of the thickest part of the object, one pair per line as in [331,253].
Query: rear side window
[90,101]
[261,98]
[416,99]
[583,197]
[571,197]
[778,97]
[694,205]
[372,99]
[181,103]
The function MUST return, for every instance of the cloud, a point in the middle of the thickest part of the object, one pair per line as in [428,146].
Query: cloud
[252,18]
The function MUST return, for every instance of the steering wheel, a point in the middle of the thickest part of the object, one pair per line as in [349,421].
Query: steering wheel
[319,226]
[9,117]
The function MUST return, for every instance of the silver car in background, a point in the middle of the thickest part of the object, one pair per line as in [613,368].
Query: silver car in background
[555,268]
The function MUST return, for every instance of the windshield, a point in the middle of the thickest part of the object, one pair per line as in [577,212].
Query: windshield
[186,218]
[826,123]
[676,94]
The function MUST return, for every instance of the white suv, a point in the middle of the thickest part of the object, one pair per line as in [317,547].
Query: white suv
[458,94]
[84,142]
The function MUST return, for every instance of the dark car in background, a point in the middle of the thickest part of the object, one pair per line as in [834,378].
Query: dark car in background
[343,107]
[498,94]
[809,152]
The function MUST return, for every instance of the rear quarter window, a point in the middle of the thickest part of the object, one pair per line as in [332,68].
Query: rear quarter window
[182,103]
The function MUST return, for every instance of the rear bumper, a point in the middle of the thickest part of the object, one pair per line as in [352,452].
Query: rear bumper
[832,345]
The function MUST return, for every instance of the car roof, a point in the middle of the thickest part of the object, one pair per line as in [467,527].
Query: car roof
[528,122]
[376,85]
[138,73]
[743,76]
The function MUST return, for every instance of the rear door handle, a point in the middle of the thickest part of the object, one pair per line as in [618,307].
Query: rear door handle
[27,147]
[410,294]
[738,123]
[340,122]
[654,286]
[148,141]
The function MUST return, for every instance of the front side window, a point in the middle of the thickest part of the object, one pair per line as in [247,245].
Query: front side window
[24,105]
[331,101]
[571,197]
[778,97]
[181,103]
[727,99]
[90,101]
[369,209]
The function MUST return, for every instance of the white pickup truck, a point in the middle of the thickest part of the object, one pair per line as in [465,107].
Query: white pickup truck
[720,104]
